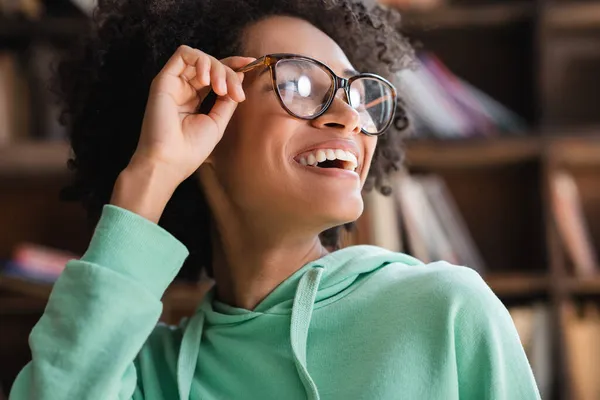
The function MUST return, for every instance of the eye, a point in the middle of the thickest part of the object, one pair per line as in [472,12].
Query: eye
[301,86]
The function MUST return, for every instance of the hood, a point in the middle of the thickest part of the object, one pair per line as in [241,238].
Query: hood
[314,282]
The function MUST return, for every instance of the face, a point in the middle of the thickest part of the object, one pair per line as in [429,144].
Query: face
[258,163]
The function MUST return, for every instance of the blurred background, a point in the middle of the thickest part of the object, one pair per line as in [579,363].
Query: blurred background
[502,170]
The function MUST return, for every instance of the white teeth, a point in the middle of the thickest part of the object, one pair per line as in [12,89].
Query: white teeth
[340,154]
[350,160]
[321,156]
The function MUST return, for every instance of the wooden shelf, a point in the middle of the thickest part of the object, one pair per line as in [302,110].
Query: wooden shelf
[572,15]
[34,158]
[584,286]
[178,294]
[452,17]
[471,153]
[24,287]
[53,27]
[511,285]
[575,151]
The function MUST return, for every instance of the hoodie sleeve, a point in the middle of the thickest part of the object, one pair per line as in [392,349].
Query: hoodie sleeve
[100,313]
[491,361]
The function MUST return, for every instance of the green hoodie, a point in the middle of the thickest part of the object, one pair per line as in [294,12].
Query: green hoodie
[359,323]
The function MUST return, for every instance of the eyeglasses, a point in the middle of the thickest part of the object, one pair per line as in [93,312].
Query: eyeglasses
[306,89]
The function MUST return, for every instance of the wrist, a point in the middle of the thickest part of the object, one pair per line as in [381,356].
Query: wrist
[145,189]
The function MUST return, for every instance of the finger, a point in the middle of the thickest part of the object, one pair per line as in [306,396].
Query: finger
[183,57]
[199,75]
[234,85]
[218,77]
[222,111]
[236,62]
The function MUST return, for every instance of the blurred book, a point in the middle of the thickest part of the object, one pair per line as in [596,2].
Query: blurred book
[582,331]
[43,61]
[442,105]
[37,262]
[432,224]
[31,9]
[383,221]
[571,224]
[14,98]
[533,323]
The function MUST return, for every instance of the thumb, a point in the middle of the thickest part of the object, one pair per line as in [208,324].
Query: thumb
[213,121]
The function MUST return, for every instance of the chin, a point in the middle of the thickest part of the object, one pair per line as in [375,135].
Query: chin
[344,210]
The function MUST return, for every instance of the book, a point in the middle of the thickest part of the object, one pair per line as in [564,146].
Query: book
[571,224]
[533,325]
[451,220]
[384,220]
[582,332]
[413,217]
[14,99]
[443,105]
[43,61]
[37,262]
[434,228]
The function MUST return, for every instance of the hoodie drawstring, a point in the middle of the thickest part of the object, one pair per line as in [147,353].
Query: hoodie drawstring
[188,354]
[301,315]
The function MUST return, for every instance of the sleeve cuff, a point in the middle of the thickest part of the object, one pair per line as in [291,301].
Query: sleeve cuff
[132,245]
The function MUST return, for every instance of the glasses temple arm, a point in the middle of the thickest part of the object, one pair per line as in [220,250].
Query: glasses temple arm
[252,65]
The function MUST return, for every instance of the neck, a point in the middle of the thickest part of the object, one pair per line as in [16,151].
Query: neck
[247,269]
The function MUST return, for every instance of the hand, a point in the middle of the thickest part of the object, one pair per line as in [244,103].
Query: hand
[173,135]
[175,140]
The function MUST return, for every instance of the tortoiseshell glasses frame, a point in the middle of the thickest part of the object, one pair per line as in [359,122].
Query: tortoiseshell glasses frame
[338,82]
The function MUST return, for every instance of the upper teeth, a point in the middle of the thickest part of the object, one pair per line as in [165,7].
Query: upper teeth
[321,155]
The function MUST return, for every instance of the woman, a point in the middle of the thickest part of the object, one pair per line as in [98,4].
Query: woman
[254,188]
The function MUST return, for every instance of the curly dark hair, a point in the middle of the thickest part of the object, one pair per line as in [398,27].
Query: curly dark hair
[104,83]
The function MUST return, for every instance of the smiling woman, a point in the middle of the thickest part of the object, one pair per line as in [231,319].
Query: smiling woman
[253,186]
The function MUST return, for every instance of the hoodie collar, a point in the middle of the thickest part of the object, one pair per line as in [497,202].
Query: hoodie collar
[297,295]
[340,269]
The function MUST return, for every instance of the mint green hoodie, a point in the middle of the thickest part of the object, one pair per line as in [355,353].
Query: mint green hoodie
[359,323]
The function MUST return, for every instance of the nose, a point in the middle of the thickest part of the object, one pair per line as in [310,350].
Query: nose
[340,115]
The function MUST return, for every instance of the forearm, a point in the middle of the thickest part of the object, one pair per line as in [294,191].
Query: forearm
[100,313]
[143,188]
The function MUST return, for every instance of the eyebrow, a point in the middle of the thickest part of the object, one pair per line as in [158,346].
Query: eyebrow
[351,72]
[347,72]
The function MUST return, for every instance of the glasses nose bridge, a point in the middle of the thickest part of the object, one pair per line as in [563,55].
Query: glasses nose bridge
[342,83]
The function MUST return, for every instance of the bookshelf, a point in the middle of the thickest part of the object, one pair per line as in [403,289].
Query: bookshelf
[34,158]
[538,57]
[46,28]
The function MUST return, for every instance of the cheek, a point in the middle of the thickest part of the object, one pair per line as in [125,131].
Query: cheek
[252,155]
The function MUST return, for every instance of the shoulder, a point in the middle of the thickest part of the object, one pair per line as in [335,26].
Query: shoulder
[438,288]
[439,278]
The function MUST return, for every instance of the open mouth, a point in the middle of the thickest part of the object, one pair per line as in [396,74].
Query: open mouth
[329,158]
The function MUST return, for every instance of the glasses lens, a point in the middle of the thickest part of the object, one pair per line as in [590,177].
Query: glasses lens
[304,87]
[374,101]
